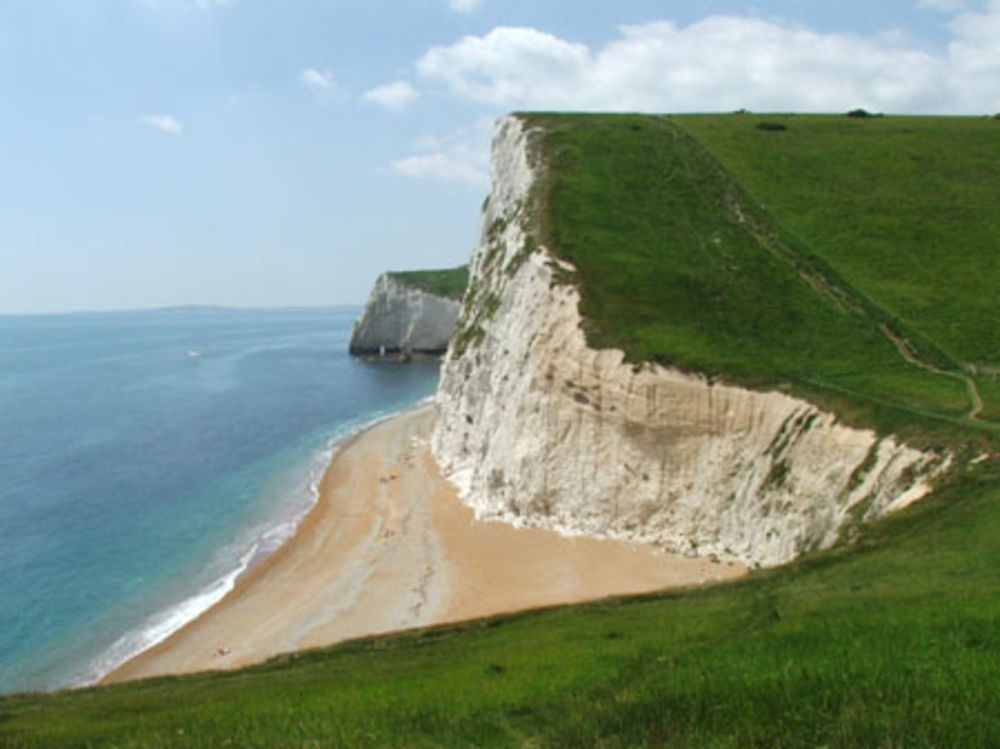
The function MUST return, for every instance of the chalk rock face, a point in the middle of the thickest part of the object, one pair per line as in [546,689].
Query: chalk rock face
[400,318]
[536,428]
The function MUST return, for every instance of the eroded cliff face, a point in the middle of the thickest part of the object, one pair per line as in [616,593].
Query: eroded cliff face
[536,428]
[402,318]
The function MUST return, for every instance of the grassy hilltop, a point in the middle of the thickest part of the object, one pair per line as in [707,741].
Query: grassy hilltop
[448,283]
[853,262]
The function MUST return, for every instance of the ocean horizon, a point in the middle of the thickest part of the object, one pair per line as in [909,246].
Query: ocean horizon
[148,458]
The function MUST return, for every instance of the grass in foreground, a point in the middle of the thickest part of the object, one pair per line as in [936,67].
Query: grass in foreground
[449,283]
[895,642]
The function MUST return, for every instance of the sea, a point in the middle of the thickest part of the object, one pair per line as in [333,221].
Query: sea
[147,459]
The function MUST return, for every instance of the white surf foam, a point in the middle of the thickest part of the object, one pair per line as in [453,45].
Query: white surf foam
[265,542]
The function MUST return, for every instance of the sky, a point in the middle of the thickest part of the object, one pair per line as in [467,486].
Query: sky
[256,153]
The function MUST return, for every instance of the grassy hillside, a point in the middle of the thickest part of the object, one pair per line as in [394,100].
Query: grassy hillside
[692,259]
[904,207]
[449,283]
[853,262]
[894,642]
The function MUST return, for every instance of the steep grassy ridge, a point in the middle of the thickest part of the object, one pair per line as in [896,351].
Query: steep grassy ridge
[449,283]
[680,264]
[904,207]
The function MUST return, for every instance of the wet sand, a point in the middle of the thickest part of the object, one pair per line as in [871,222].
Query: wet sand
[390,546]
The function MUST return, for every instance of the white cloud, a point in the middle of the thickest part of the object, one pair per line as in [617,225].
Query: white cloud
[506,65]
[441,166]
[723,63]
[317,80]
[165,123]
[394,96]
[718,64]
[460,156]
[974,59]
[465,6]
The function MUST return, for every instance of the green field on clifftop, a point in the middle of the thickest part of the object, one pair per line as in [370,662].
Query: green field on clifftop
[854,262]
[450,282]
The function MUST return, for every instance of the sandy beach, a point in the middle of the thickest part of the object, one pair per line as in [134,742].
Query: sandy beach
[390,546]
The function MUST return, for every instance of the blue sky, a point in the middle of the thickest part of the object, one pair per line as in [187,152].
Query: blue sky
[257,153]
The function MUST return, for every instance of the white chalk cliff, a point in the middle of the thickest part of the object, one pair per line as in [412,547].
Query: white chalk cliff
[537,428]
[400,317]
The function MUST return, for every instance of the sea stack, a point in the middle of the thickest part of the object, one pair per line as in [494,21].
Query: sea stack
[410,313]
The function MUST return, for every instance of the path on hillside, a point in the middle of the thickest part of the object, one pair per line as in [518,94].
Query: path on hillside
[904,349]
[842,295]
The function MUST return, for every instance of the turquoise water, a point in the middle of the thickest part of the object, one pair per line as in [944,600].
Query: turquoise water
[146,458]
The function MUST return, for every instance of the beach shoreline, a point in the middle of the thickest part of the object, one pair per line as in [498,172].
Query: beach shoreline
[389,546]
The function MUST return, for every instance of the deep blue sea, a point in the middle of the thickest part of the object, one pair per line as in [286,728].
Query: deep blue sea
[147,458]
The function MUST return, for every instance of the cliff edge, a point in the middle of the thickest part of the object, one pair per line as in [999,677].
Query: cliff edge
[538,428]
[412,312]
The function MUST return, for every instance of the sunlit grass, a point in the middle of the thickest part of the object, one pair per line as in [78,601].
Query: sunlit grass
[671,272]
[450,282]
[895,641]
[892,640]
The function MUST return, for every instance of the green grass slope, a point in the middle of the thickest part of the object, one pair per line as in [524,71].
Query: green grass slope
[905,207]
[893,642]
[706,243]
[690,254]
[449,283]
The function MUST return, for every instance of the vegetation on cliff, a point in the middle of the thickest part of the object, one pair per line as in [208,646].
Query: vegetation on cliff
[850,260]
[410,312]
[448,283]
[832,258]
